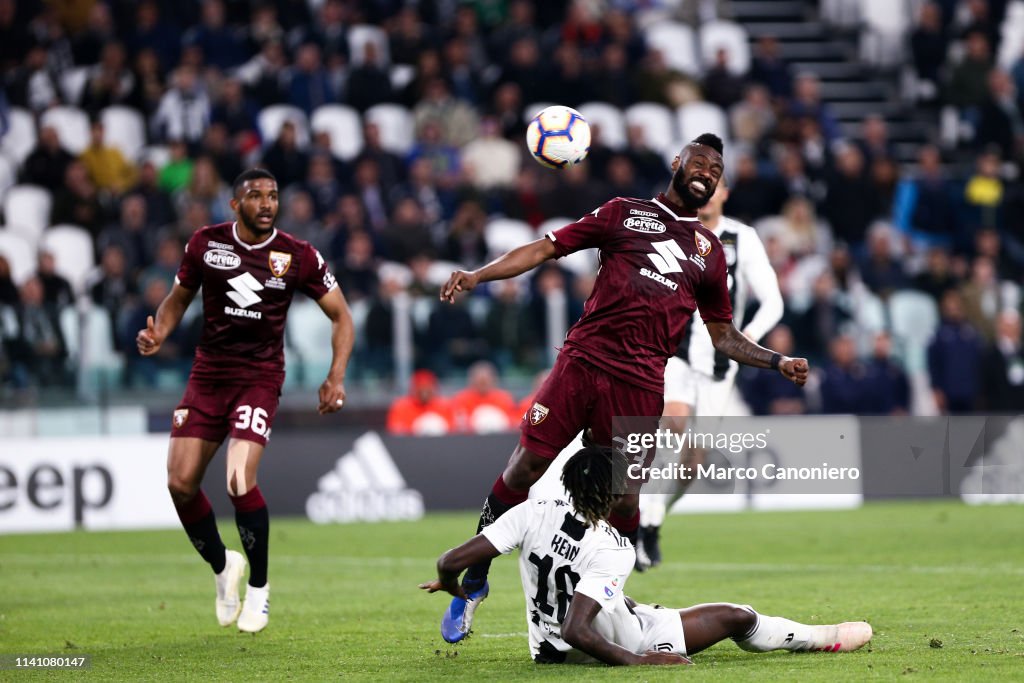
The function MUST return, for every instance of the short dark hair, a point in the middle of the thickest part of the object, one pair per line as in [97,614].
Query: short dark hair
[594,478]
[250,174]
[709,140]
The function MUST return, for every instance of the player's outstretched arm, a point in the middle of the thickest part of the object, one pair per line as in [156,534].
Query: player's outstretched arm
[735,345]
[168,316]
[332,391]
[578,630]
[450,565]
[515,262]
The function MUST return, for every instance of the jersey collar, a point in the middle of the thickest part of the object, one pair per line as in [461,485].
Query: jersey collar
[670,208]
[250,247]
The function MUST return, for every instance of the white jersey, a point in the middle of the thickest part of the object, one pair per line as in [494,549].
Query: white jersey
[750,272]
[560,556]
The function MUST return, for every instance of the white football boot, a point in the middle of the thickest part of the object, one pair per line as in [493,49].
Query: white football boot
[228,603]
[844,637]
[256,610]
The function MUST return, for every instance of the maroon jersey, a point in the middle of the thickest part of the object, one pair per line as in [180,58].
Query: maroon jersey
[658,265]
[247,289]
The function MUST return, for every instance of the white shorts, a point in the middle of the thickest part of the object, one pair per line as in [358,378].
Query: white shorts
[704,395]
[643,628]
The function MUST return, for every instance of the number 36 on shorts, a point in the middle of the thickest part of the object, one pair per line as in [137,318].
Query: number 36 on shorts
[254,419]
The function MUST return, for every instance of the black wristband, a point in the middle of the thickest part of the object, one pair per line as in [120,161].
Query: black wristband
[776,359]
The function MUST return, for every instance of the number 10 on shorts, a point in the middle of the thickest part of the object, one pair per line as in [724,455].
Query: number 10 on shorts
[252,418]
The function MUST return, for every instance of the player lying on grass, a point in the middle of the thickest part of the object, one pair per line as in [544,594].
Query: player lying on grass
[574,567]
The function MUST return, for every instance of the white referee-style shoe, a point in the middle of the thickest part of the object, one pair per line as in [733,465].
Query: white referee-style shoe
[256,610]
[228,603]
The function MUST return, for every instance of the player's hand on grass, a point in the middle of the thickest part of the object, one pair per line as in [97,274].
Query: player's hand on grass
[460,281]
[454,589]
[795,370]
[332,396]
[653,657]
[147,340]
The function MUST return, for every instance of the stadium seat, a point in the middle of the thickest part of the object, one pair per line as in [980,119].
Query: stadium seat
[914,317]
[396,126]
[439,272]
[657,122]
[361,34]
[731,37]
[696,118]
[71,327]
[102,366]
[72,249]
[19,254]
[8,175]
[125,129]
[553,224]
[609,119]
[885,25]
[20,138]
[72,126]
[343,125]
[158,155]
[534,108]
[677,44]
[73,82]
[27,211]
[504,234]
[397,272]
[401,76]
[270,120]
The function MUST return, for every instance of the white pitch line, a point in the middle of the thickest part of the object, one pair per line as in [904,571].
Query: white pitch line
[503,635]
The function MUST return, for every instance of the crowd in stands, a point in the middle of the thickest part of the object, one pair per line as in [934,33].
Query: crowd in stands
[847,227]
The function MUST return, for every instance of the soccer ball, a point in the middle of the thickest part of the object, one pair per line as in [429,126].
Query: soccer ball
[558,137]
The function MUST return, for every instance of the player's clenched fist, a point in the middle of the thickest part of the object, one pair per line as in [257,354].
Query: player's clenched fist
[460,281]
[148,340]
[332,396]
[795,370]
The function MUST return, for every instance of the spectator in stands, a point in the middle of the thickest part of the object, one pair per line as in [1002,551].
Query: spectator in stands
[465,243]
[622,178]
[299,214]
[616,86]
[456,121]
[357,268]
[983,197]
[1003,367]
[263,28]
[720,85]
[371,193]
[438,202]
[112,288]
[78,201]
[925,205]
[265,74]
[981,297]
[752,195]
[574,193]
[309,83]
[218,148]
[110,82]
[482,407]
[769,68]
[184,110]
[490,161]
[390,167]
[175,352]
[929,46]
[874,139]
[520,22]
[451,340]
[164,268]
[34,85]
[153,32]
[8,290]
[967,86]
[524,68]
[148,83]
[159,208]
[753,117]
[507,107]
[407,235]
[15,38]
[851,203]
[39,349]
[348,218]
[462,74]
[886,389]
[222,44]
[409,37]
[1000,122]
[807,102]
[207,188]
[423,411]
[798,229]
[107,167]
[828,313]
[48,162]
[233,109]
[57,292]
[568,82]
[843,389]
[327,31]
[132,233]
[284,158]
[954,358]
[649,165]
[937,275]
[322,184]
[885,177]
[509,329]
[769,393]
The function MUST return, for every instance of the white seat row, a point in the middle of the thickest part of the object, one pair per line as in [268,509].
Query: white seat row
[684,50]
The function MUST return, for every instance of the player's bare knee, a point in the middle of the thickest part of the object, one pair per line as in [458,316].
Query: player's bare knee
[524,469]
[181,489]
[627,505]
[740,618]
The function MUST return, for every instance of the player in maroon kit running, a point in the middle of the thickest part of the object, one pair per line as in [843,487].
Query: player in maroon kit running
[658,266]
[249,271]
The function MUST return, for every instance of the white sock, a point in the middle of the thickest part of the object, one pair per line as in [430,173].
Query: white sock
[653,507]
[779,633]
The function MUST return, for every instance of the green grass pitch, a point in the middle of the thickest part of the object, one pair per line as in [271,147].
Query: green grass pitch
[940,582]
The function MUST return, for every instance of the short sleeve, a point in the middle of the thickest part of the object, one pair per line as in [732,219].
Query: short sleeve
[604,577]
[509,530]
[190,272]
[590,231]
[712,296]
[315,278]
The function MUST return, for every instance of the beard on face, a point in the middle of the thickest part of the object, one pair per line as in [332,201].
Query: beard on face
[690,200]
[250,218]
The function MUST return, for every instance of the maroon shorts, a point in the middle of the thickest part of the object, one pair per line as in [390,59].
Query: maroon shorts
[577,396]
[212,411]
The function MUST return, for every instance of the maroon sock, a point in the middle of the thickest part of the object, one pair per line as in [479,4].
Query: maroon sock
[499,501]
[253,523]
[201,526]
[627,526]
